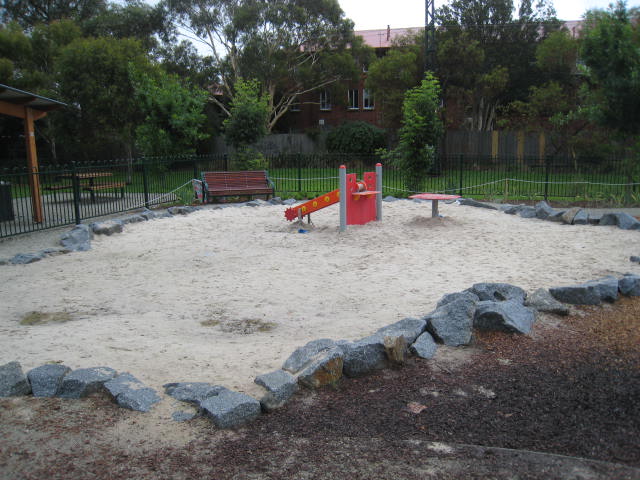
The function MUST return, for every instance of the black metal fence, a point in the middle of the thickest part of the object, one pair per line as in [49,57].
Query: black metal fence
[70,194]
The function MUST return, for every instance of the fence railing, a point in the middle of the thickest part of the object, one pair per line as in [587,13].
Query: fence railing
[74,193]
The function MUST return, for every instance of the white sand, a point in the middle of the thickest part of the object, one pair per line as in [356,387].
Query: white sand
[137,300]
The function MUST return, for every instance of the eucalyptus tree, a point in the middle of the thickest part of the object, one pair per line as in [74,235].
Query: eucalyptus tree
[291,47]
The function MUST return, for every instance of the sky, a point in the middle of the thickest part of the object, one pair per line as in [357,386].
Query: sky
[377,14]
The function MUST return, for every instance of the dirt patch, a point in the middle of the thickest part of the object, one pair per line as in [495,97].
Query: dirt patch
[41,318]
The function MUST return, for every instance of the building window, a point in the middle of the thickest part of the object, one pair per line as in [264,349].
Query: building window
[367,99]
[325,100]
[353,99]
[295,105]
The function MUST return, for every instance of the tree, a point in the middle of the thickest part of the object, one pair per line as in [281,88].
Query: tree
[29,13]
[420,132]
[501,56]
[611,55]
[94,79]
[247,123]
[134,19]
[391,75]
[173,113]
[290,46]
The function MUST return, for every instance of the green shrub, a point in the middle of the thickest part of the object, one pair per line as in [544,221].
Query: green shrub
[356,137]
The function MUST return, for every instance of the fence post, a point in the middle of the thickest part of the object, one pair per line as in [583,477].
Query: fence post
[461,175]
[546,177]
[75,183]
[225,159]
[145,183]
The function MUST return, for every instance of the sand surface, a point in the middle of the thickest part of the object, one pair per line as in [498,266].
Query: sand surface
[223,295]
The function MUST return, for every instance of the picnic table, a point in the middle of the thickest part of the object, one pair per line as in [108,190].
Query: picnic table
[87,180]
[434,197]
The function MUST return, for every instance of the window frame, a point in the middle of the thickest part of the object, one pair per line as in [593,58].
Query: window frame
[368,102]
[325,100]
[353,103]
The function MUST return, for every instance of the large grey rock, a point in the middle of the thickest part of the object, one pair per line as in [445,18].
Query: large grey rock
[289,201]
[78,239]
[634,258]
[13,381]
[302,356]
[148,214]
[140,400]
[231,409]
[26,258]
[606,287]
[390,198]
[409,328]
[46,380]
[581,294]
[424,346]
[556,217]
[509,316]
[513,209]
[280,387]
[133,219]
[131,393]
[465,295]
[452,323]
[498,292]
[192,392]
[85,381]
[569,215]
[107,228]
[474,203]
[544,210]
[527,212]
[594,218]
[363,356]
[621,219]
[324,369]
[275,201]
[53,251]
[629,285]
[542,301]
[181,210]
[581,218]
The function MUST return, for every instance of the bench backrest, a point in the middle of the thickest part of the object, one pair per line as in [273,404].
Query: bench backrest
[241,179]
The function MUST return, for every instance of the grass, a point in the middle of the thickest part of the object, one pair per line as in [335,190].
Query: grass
[41,318]
[521,183]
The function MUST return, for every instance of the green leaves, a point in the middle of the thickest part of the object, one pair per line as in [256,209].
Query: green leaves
[249,113]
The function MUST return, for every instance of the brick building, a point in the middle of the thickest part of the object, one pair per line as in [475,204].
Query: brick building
[319,110]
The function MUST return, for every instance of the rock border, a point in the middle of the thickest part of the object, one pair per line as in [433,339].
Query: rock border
[322,362]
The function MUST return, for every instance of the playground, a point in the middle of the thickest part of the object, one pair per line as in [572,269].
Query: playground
[223,295]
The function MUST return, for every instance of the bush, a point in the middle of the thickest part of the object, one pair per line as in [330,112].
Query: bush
[356,137]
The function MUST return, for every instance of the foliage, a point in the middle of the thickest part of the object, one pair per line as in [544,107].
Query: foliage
[247,123]
[420,132]
[391,75]
[611,54]
[173,113]
[290,46]
[29,13]
[497,68]
[355,137]
[94,77]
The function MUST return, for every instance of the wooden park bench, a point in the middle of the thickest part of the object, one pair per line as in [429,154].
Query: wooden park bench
[236,184]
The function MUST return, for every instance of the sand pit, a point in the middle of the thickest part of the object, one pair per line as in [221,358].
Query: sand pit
[221,296]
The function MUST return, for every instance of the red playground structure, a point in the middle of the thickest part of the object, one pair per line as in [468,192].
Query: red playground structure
[360,201]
